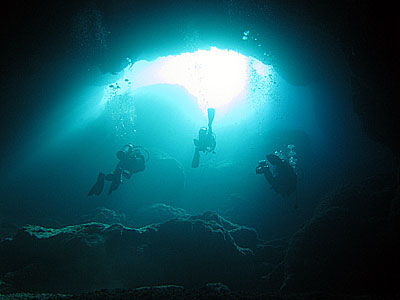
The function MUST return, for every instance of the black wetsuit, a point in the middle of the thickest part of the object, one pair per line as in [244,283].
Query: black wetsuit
[128,165]
[133,163]
[282,179]
[205,143]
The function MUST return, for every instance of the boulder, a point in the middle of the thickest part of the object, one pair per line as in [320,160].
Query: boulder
[156,213]
[189,251]
[349,245]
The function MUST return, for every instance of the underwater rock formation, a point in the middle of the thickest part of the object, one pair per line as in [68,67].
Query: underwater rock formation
[156,213]
[189,252]
[142,216]
[173,292]
[361,245]
[350,245]
[103,215]
[301,37]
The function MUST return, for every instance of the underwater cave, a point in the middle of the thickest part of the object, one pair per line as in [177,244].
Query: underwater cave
[266,138]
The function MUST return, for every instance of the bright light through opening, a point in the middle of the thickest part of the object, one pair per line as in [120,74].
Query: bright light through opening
[214,77]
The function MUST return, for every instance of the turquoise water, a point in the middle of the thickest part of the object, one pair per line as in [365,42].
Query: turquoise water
[160,105]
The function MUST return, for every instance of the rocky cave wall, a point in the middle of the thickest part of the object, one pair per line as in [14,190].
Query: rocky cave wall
[304,40]
[305,35]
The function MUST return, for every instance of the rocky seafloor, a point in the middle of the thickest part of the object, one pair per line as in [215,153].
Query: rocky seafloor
[209,291]
[348,250]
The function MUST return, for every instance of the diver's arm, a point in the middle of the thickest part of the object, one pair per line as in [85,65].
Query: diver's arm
[270,178]
[259,170]
[141,157]
[263,168]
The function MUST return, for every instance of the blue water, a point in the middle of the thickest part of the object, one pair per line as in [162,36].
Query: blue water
[78,135]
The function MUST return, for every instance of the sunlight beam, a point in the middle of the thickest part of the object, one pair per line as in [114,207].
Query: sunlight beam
[214,77]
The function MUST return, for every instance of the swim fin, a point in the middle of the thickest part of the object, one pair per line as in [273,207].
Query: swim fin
[196,158]
[98,186]
[211,115]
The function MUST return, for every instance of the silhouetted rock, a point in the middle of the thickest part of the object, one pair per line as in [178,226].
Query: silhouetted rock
[34,296]
[211,291]
[187,251]
[349,245]
[156,213]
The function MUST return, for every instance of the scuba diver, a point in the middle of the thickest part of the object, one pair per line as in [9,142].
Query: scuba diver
[206,141]
[131,161]
[279,173]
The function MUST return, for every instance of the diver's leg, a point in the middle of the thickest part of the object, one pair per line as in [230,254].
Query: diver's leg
[268,175]
[98,186]
[109,177]
[116,181]
[196,158]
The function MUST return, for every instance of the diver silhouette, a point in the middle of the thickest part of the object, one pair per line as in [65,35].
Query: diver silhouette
[131,161]
[206,141]
[279,174]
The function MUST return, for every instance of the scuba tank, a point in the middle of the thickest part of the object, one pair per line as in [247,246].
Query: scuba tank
[126,150]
